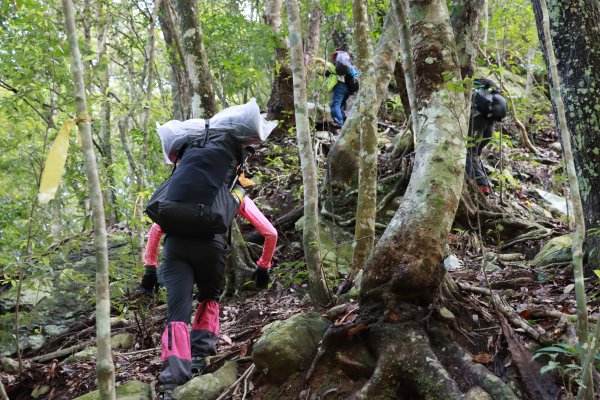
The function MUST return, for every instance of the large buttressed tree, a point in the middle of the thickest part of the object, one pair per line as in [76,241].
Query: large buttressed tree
[404,271]
[575,31]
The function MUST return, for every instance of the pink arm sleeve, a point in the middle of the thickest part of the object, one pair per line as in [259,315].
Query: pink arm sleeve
[151,253]
[249,211]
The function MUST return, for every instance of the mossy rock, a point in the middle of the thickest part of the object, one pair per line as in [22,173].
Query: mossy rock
[122,341]
[132,390]
[84,355]
[208,386]
[556,251]
[288,346]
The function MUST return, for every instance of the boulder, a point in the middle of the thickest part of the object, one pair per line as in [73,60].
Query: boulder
[555,203]
[7,341]
[557,250]
[132,390]
[208,386]
[337,311]
[288,346]
[32,293]
[556,146]
[122,341]
[84,355]
[39,391]
[477,393]
[9,365]
[36,342]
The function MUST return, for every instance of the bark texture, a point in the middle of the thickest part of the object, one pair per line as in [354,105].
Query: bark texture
[575,32]
[408,65]
[366,110]
[466,17]
[342,161]
[196,61]
[405,272]
[585,391]
[281,103]
[314,33]
[406,263]
[105,369]
[180,85]
[311,241]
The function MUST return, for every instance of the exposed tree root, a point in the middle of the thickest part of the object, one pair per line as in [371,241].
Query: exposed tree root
[462,361]
[406,367]
[536,234]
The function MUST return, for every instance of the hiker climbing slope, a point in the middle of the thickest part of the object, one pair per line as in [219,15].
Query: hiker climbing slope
[342,80]
[488,107]
[193,207]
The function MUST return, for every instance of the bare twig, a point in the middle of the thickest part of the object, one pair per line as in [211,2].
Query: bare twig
[236,383]
[508,311]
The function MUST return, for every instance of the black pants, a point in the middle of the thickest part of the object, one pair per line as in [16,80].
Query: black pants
[481,130]
[186,262]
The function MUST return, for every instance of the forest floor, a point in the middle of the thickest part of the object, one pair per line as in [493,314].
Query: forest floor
[535,295]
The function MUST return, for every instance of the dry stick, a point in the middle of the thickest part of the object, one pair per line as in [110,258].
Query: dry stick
[246,382]
[61,353]
[559,315]
[579,235]
[138,352]
[508,312]
[236,383]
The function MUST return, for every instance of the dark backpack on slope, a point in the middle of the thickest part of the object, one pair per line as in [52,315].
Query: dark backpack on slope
[196,200]
[488,99]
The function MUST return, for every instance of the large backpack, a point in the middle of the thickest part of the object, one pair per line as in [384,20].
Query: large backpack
[488,100]
[344,67]
[196,200]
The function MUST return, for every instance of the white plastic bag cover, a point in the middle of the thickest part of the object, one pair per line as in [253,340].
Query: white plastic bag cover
[243,121]
[173,131]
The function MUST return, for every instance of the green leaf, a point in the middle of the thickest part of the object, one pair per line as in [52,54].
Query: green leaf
[550,367]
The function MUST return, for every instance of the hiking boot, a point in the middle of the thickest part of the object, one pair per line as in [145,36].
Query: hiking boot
[198,365]
[166,392]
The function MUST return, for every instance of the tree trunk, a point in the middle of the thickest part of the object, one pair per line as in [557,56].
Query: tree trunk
[314,34]
[366,109]
[408,65]
[104,366]
[104,132]
[466,17]
[575,37]
[342,161]
[138,222]
[281,101]
[311,242]
[585,390]
[149,74]
[180,85]
[196,62]
[405,269]
[406,263]
[104,135]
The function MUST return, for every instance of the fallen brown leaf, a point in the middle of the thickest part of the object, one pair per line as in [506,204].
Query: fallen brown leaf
[483,358]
